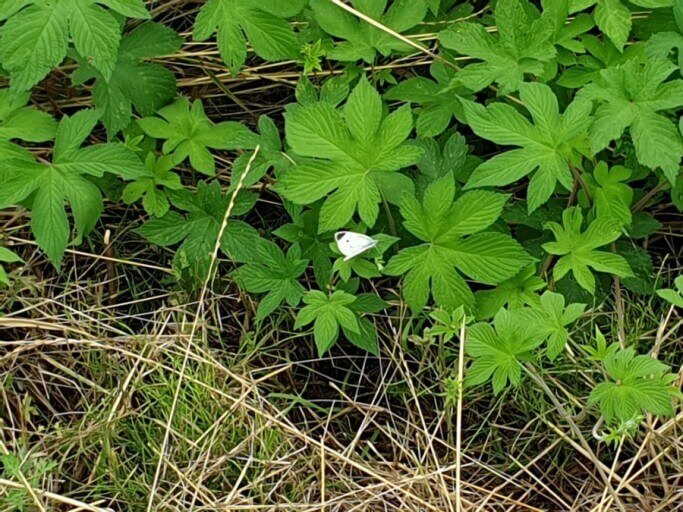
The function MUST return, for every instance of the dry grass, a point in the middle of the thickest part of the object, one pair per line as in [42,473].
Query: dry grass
[118,394]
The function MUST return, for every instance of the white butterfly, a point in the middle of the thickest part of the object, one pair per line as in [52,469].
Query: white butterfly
[352,244]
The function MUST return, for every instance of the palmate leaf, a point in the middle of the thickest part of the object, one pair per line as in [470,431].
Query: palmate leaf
[189,133]
[350,157]
[611,195]
[632,95]
[48,186]
[639,384]
[19,122]
[133,82]
[276,275]
[600,54]
[523,45]
[454,237]
[578,248]
[35,37]
[153,186]
[263,22]
[439,100]
[516,292]
[613,17]
[315,246]
[547,147]
[499,350]
[198,229]
[362,41]
[550,319]
[328,313]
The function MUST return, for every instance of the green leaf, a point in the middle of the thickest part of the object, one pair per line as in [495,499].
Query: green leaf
[261,21]
[516,292]
[350,156]
[547,147]
[327,313]
[314,245]
[34,38]
[276,274]
[614,20]
[453,237]
[361,39]
[439,101]
[550,319]
[64,181]
[133,82]
[189,133]
[578,249]
[611,195]
[631,96]
[7,256]
[18,121]
[498,351]
[674,296]
[523,45]
[152,188]
[198,229]
[639,384]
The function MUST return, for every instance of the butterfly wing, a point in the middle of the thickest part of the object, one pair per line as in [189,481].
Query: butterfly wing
[352,244]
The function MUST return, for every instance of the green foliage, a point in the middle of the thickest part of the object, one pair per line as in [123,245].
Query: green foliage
[349,157]
[153,187]
[632,95]
[518,291]
[674,296]
[133,81]
[35,37]
[499,350]
[638,384]
[275,273]
[522,46]
[7,256]
[549,146]
[197,230]
[578,252]
[20,122]
[550,319]
[263,22]
[189,133]
[328,313]
[453,235]
[46,186]
[440,101]
[362,40]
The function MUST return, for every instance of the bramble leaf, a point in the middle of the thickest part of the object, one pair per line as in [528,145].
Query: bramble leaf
[147,86]
[499,350]
[198,229]
[263,22]
[327,313]
[35,36]
[639,384]
[51,185]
